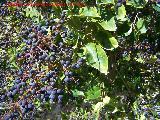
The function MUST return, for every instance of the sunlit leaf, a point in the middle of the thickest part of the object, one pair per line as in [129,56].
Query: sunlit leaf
[77,93]
[121,13]
[107,2]
[88,12]
[96,57]
[109,25]
[156,7]
[106,100]
[107,40]
[129,32]
[33,13]
[114,42]
[100,105]
[93,93]
[141,26]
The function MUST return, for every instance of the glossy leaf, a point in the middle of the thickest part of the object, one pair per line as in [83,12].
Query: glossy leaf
[88,12]
[96,57]
[141,26]
[109,25]
[107,1]
[121,13]
[114,42]
[107,40]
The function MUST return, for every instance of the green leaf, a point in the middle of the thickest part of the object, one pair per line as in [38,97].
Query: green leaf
[108,41]
[123,28]
[127,58]
[106,100]
[77,93]
[96,57]
[88,12]
[74,23]
[142,117]
[141,26]
[156,7]
[100,105]
[107,2]
[109,25]
[93,93]
[33,13]
[140,60]
[129,32]
[114,42]
[121,13]
[152,60]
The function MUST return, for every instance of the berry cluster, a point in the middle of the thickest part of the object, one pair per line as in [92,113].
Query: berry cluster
[47,65]
[2,78]
[10,26]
